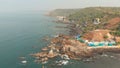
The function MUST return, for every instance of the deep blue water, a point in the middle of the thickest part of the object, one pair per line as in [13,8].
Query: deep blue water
[21,34]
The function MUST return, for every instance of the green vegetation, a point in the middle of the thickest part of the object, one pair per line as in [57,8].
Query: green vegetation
[84,18]
[87,14]
[118,43]
[105,37]
[116,31]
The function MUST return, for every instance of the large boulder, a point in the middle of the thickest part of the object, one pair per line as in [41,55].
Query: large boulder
[51,54]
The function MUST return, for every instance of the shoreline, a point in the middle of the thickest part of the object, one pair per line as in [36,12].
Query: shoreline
[64,45]
[71,48]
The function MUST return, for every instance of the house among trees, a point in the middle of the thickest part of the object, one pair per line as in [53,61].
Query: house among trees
[96,21]
[61,18]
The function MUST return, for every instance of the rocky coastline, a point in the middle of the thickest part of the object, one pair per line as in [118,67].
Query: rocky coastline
[71,46]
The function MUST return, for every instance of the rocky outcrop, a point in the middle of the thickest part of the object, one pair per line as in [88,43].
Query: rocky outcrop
[72,48]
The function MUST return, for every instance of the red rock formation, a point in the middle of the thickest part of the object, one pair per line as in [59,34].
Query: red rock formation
[98,35]
[113,22]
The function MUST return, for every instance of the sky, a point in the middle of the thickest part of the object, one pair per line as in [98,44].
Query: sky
[37,5]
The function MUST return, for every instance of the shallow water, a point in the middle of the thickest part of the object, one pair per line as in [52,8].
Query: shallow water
[22,33]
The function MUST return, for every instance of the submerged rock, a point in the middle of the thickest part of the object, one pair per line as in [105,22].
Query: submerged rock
[24,61]
[66,57]
[45,49]
[62,62]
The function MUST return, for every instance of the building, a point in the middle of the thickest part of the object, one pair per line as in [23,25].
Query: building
[96,21]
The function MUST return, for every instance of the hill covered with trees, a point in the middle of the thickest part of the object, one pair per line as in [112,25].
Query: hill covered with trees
[91,18]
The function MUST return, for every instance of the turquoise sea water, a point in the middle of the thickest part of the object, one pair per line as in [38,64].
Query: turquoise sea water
[21,34]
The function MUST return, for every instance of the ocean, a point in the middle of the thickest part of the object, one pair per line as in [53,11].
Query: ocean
[22,33]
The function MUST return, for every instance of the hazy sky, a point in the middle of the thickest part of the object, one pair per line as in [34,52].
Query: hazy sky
[36,5]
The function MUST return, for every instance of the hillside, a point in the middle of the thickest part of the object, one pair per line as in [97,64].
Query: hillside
[87,14]
[92,18]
